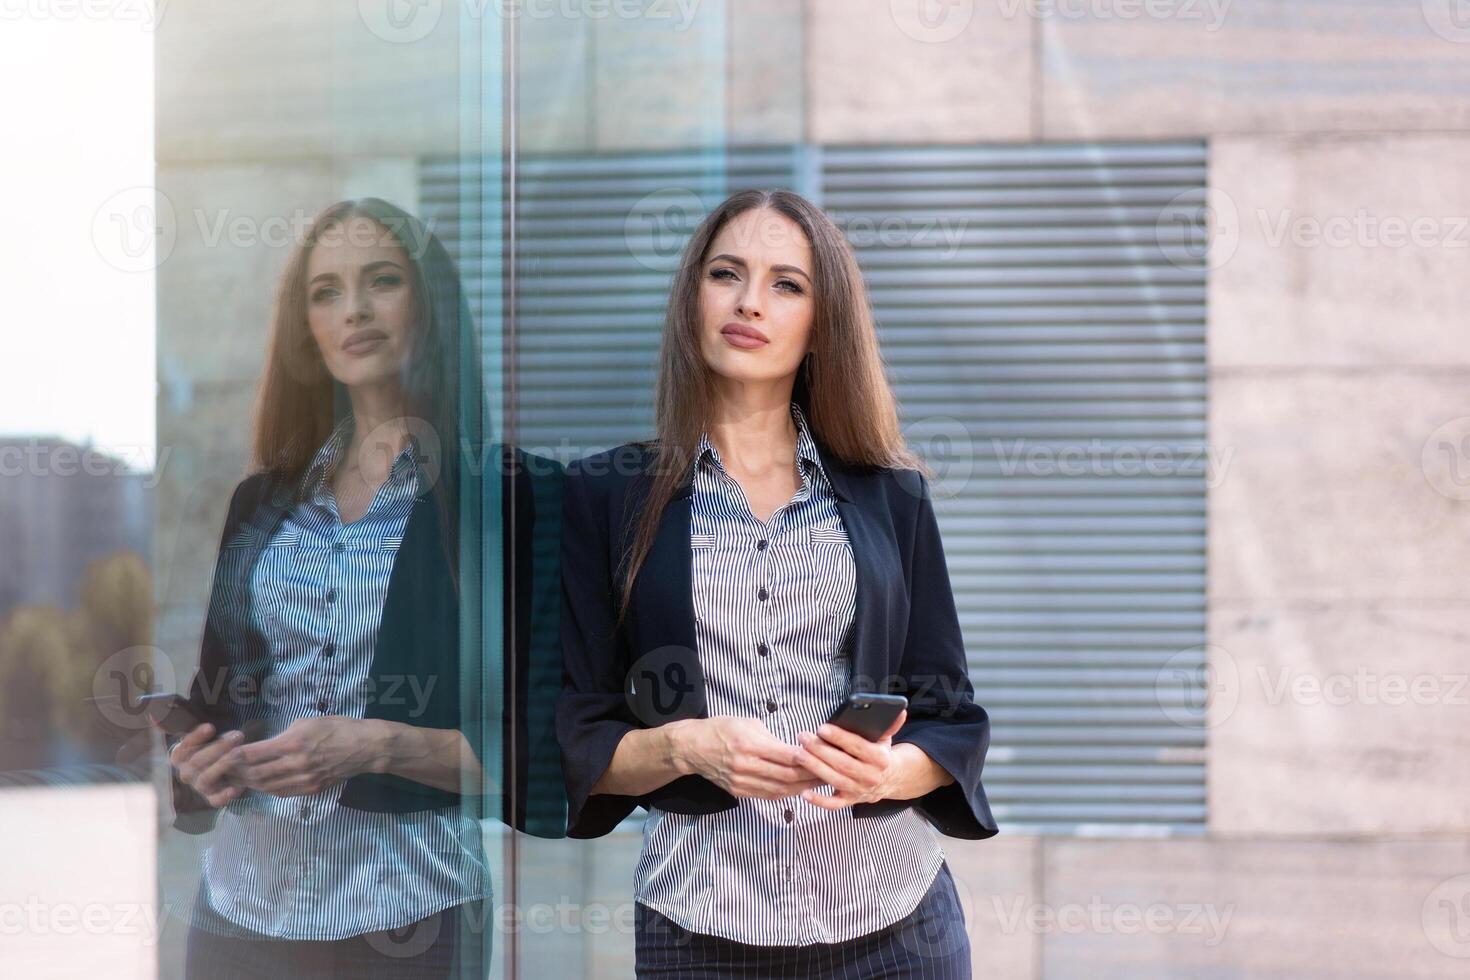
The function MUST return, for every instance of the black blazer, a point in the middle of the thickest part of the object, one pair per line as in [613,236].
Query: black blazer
[905,638]
[419,639]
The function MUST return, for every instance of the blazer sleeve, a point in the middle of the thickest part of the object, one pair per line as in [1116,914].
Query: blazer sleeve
[592,713]
[192,812]
[531,750]
[943,718]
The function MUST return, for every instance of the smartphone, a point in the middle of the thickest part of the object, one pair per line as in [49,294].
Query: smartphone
[175,716]
[869,715]
[171,712]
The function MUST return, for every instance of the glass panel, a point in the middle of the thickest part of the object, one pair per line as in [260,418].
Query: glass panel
[344,610]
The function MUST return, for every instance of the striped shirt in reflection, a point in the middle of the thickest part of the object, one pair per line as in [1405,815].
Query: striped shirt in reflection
[304,867]
[779,872]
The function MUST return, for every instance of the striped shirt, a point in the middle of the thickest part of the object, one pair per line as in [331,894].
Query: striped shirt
[304,867]
[773,606]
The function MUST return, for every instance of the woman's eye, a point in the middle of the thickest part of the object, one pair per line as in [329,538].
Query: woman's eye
[323,294]
[720,273]
[387,280]
[787,282]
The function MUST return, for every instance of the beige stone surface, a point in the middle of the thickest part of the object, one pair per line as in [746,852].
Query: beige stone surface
[676,79]
[588,887]
[1113,71]
[1334,719]
[916,71]
[1340,250]
[1324,490]
[766,98]
[277,79]
[660,82]
[554,83]
[1282,909]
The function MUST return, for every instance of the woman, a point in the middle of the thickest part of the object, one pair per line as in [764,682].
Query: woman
[342,843]
[725,586]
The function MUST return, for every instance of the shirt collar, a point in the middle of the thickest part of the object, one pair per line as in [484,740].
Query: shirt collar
[324,463]
[806,447]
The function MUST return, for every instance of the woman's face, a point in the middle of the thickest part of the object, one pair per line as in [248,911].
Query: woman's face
[359,301]
[756,280]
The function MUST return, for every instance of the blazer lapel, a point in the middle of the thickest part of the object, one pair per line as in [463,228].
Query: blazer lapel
[875,572]
[875,578]
[665,682]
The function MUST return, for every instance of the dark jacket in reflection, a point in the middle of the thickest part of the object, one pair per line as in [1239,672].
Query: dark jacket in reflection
[504,704]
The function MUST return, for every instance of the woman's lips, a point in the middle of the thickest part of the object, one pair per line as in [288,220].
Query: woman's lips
[365,343]
[746,338]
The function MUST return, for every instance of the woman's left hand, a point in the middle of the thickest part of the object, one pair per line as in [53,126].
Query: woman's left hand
[308,756]
[859,771]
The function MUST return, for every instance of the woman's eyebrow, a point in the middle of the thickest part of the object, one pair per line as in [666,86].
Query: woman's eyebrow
[775,268]
[367,268]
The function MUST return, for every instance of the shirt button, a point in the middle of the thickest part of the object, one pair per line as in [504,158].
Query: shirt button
[329,649]
[322,706]
[763,650]
[760,545]
[331,595]
[339,547]
[762,595]
[770,706]
[790,816]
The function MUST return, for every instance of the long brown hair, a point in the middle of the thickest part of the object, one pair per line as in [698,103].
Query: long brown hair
[299,402]
[841,386]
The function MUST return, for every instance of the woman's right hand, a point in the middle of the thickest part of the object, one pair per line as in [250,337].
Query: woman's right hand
[741,756]
[202,764]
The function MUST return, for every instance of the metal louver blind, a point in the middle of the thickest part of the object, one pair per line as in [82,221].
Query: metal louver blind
[1031,300]
[1043,322]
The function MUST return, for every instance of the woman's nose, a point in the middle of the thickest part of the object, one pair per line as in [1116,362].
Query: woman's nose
[360,310]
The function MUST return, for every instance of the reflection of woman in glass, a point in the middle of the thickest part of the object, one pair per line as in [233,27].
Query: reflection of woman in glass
[781,551]
[343,845]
